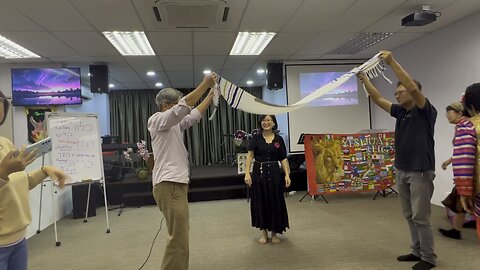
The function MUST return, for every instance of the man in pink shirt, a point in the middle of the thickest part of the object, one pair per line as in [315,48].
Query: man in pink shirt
[171,171]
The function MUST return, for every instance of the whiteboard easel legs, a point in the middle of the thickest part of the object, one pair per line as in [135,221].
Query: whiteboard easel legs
[41,193]
[40,209]
[57,243]
[105,201]
[88,202]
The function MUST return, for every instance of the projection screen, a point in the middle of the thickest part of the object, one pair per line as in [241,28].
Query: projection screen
[343,110]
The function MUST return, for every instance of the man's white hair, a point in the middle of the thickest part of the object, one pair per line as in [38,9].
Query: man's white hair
[168,95]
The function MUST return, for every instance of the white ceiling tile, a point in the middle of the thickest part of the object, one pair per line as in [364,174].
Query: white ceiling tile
[317,15]
[177,63]
[71,59]
[233,74]
[179,76]
[88,43]
[126,77]
[212,62]
[239,61]
[270,58]
[324,42]
[265,15]
[53,15]
[354,19]
[12,20]
[306,57]
[182,84]
[213,43]
[253,76]
[159,77]
[42,43]
[171,43]
[109,15]
[288,43]
[142,64]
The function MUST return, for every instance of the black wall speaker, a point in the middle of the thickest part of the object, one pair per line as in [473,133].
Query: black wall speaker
[99,79]
[274,76]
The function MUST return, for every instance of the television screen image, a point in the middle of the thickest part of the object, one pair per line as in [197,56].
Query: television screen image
[46,86]
[345,94]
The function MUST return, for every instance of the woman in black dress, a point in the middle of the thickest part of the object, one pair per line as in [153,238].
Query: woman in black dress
[267,205]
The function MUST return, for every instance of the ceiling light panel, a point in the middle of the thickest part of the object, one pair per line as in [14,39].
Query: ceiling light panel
[10,50]
[251,43]
[130,43]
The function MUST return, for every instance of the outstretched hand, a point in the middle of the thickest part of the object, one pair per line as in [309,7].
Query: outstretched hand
[387,56]
[362,76]
[16,160]
[56,175]
[210,79]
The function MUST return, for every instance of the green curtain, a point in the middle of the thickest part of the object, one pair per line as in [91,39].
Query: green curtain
[209,142]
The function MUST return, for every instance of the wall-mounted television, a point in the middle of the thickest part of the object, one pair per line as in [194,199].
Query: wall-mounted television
[46,86]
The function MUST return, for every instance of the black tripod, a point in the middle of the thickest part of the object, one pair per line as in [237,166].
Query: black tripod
[314,197]
[385,193]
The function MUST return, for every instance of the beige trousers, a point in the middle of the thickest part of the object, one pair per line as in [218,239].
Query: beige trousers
[172,200]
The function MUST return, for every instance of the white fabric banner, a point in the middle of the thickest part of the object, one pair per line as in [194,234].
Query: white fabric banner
[238,98]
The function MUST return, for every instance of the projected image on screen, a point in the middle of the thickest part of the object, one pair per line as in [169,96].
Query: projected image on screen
[46,86]
[345,94]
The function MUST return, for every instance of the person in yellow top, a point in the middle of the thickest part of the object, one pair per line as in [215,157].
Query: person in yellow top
[15,184]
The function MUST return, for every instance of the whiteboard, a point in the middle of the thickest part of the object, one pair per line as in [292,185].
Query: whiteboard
[76,145]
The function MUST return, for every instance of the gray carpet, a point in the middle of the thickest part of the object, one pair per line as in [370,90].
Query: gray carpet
[351,232]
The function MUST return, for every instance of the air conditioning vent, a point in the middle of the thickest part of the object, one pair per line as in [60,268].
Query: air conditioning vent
[191,13]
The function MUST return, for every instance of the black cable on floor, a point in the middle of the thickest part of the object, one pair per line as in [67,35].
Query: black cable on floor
[153,242]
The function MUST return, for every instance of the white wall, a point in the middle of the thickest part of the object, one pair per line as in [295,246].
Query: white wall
[62,198]
[445,62]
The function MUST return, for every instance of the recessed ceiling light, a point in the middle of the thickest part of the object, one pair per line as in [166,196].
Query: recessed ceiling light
[249,82]
[251,43]
[111,85]
[10,49]
[158,84]
[260,71]
[151,73]
[89,74]
[130,43]
[207,71]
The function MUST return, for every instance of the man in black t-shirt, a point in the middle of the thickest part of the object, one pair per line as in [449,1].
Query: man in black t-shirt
[414,158]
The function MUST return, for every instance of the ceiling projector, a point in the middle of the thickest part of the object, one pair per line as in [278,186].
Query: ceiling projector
[420,17]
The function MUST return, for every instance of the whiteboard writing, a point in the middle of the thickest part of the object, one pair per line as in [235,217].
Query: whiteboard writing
[76,145]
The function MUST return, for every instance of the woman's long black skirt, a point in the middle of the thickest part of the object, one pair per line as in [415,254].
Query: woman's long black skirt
[267,205]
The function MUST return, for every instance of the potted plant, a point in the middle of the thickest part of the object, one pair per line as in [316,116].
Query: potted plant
[143,154]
